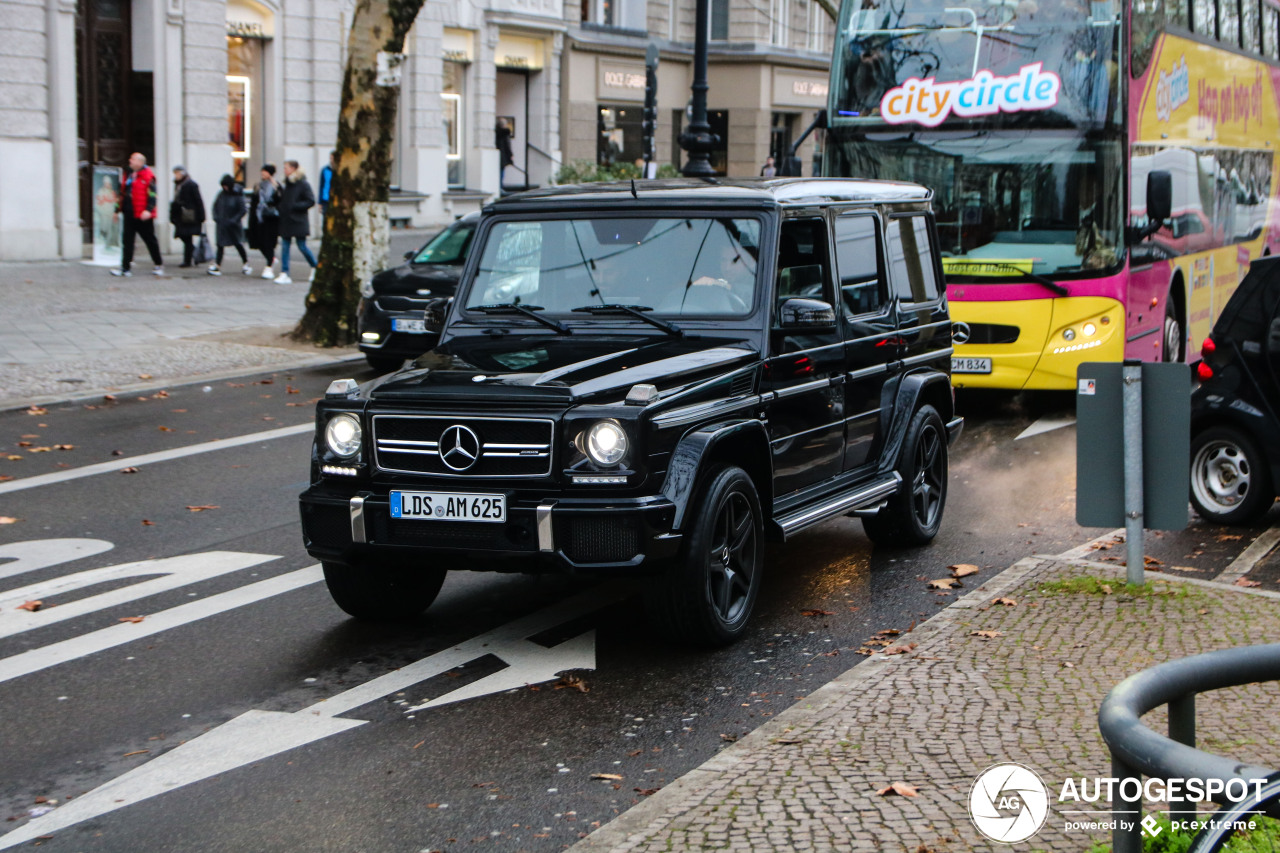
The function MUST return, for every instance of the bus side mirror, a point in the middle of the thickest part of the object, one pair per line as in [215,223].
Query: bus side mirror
[792,167]
[1159,198]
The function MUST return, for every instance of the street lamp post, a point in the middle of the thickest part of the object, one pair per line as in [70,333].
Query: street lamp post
[698,140]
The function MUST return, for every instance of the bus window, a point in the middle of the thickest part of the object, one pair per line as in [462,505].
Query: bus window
[1150,18]
[1270,31]
[1251,25]
[1203,18]
[1229,23]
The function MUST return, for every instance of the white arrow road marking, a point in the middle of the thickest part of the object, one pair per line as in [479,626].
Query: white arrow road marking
[119,634]
[176,571]
[256,735]
[1045,425]
[42,553]
[149,458]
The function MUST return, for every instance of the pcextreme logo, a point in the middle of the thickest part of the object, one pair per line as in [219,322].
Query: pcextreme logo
[1008,803]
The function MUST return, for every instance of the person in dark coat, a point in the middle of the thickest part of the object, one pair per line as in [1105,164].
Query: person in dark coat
[229,209]
[186,212]
[502,141]
[296,198]
[264,218]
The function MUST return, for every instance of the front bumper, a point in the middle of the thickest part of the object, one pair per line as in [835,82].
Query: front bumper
[539,535]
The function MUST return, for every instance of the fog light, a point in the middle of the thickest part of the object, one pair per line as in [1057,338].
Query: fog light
[1069,334]
[370,337]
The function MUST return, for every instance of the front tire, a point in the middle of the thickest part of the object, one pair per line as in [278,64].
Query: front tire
[913,516]
[708,595]
[1172,351]
[383,593]
[1230,481]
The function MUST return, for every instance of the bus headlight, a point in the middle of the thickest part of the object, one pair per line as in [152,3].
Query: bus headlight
[1089,330]
[605,443]
[343,435]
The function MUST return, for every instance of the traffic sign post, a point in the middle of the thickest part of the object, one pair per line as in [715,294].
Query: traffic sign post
[1133,450]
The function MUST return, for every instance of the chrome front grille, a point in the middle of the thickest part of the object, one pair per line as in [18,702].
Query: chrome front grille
[463,446]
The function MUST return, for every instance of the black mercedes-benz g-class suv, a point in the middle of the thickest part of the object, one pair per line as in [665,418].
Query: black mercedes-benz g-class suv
[650,378]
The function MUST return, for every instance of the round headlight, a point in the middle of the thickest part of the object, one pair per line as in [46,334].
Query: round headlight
[343,435]
[606,443]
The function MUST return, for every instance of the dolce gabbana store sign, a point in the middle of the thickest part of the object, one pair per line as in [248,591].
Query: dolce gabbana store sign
[620,81]
[793,88]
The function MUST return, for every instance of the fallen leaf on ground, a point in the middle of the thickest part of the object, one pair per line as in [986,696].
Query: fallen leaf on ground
[902,789]
[1229,537]
[1245,582]
[788,741]
[1185,569]
[134,619]
[900,650]
[1005,602]
[32,606]
[203,508]
[986,635]
[4,478]
[647,792]
[572,681]
[160,395]
[8,519]
[136,752]
[64,447]
[110,398]
[24,444]
[165,429]
[817,613]
[13,458]
[144,375]
[887,632]
[129,470]
[36,410]
[729,738]
[943,583]
[612,777]
[148,523]
[961,570]
[39,449]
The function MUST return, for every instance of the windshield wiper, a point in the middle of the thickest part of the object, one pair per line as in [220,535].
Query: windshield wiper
[636,311]
[1036,277]
[529,311]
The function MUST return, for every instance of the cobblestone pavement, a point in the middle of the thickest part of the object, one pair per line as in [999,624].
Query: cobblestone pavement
[72,329]
[952,704]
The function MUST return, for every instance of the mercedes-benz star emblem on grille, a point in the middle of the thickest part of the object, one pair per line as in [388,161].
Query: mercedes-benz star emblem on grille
[960,333]
[459,447]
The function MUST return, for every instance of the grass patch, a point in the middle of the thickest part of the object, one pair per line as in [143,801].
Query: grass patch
[1265,837]
[1091,585]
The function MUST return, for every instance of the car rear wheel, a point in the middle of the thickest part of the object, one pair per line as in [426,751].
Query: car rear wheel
[383,593]
[707,596]
[1230,481]
[913,516]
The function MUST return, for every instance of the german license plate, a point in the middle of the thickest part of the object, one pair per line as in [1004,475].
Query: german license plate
[413,327]
[448,506]
[970,365]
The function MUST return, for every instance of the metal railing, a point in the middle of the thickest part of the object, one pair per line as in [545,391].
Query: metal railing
[1137,750]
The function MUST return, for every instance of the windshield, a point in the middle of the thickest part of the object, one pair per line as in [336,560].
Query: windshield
[1007,203]
[1004,62]
[449,246]
[678,267]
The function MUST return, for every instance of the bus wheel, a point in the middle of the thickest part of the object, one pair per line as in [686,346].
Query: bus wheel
[1172,332]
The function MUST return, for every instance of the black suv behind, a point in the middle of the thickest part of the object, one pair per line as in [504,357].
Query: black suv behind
[651,379]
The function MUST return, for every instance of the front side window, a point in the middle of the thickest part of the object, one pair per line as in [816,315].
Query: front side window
[695,266]
[911,266]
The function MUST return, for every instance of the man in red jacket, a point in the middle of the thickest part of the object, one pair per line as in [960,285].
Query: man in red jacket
[138,207]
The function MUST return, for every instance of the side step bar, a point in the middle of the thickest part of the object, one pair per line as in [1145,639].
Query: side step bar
[864,496]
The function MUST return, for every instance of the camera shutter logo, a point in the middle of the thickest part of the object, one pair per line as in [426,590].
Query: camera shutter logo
[459,448]
[1008,803]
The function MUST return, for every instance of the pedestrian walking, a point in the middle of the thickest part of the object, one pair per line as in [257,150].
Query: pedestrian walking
[264,218]
[326,183]
[186,213]
[768,170]
[502,141]
[229,209]
[138,212]
[296,198]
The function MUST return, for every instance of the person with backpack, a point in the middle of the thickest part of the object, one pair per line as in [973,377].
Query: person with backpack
[186,213]
[229,209]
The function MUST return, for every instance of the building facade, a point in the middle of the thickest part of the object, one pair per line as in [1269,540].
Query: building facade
[224,86]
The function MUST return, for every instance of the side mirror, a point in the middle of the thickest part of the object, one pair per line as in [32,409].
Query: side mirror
[791,168]
[436,312]
[806,315]
[1273,338]
[408,256]
[1159,198]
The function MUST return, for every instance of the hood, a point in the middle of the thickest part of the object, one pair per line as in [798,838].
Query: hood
[561,370]
[407,279]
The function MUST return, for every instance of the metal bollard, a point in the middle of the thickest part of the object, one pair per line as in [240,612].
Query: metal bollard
[1135,560]
[1127,835]
[1182,728]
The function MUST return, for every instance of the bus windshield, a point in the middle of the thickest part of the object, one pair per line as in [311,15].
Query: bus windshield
[1009,203]
[930,62]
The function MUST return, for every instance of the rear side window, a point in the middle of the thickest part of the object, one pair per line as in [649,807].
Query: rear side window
[860,264]
[914,276]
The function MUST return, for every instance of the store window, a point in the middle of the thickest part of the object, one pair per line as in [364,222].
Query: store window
[627,14]
[719,29]
[719,122]
[244,109]
[779,21]
[620,135]
[451,104]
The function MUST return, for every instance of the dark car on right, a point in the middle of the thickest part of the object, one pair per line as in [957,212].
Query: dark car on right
[1235,412]
[392,320]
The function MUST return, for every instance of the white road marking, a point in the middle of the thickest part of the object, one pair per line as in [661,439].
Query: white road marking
[36,660]
[1046,425]
[256,735]
[42,553]
[151,458]
[174,572]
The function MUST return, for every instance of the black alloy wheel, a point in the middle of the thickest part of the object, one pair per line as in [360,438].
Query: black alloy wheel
[913,516]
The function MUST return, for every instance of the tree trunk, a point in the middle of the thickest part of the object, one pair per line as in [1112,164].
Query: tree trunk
[355,224]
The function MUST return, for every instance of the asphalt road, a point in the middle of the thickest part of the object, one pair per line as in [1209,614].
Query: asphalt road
[245,711]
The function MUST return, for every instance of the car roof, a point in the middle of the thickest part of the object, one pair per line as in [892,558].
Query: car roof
[786,192]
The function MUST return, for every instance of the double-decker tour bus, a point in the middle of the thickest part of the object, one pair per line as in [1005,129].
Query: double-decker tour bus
[1043,126]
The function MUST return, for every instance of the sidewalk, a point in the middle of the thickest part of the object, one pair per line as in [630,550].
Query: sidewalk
[950,703]
[73,330]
